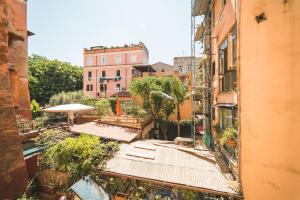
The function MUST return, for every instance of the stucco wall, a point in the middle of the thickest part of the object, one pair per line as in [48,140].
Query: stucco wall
[269,99]
[13,174]
[110,67]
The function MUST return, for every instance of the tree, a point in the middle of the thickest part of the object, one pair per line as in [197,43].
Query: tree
[49,77]
[130,108]
[154,92]
[35,108]
[102,107]
[179,95]
[69,97]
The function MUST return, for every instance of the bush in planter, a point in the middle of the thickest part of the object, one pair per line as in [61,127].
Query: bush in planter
[228,134]
[79,157]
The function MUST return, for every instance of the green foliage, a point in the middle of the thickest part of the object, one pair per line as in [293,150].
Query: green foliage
[113,104]
[68,98]
[152,90]
[228,134]
[161,96]
[102,107]
[189,195]
[49,77]
[35,108]
[50,137]
[79,156]
[31,190]
[130,108]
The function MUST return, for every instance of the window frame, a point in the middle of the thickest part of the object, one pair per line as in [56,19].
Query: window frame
[90,75]
[133,60]
[118,70]
[118,59]
[103,72]
[89,61]
[89,87]
[103,60]
[118,89]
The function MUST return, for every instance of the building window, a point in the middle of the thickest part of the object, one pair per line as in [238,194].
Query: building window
[223,57]
[118,73]
[213,68]
[103,74]
[103,60]
[232,48]
[89,87]
[103,88]
[190,68]
[133,58]
[118,59]
[227,64]
[118,87]
[90,75]
[228,117]
[89,60]
[180,69]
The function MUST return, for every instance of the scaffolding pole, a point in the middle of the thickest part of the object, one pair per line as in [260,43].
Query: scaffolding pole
[193,129]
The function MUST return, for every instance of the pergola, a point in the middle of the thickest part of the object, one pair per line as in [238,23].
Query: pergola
[70,109]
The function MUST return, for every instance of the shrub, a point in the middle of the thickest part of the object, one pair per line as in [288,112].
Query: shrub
[35,108]
[228,134]
[102,107]
[130,108]
[68,98]
[79,156]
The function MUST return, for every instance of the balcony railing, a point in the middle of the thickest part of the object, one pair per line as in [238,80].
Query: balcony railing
[127,121]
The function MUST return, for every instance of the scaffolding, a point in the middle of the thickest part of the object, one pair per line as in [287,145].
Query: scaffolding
[203,34]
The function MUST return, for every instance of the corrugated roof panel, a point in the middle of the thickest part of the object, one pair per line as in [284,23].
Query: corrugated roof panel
[171,166]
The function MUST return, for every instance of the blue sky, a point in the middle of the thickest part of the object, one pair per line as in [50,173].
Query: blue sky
[64,27]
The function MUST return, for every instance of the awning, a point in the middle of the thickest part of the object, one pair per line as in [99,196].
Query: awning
[88,189]
[225,105]
[200,7]
[69,108]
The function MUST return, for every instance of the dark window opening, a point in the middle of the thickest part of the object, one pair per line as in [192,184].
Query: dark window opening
[103,74]
[103,88]
[118,73]
[118,87]
[89,75]
[89,87]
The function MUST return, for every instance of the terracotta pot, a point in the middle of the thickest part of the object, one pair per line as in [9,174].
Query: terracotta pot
[231,143]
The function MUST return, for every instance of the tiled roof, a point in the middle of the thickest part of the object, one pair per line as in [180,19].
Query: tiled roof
[169,166]
[107,131]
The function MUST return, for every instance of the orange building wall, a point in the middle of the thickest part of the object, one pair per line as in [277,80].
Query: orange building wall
[18,56]
[270,99]
[13,173]
[224,20]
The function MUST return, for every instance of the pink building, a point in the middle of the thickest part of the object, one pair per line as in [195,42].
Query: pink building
[108,71]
